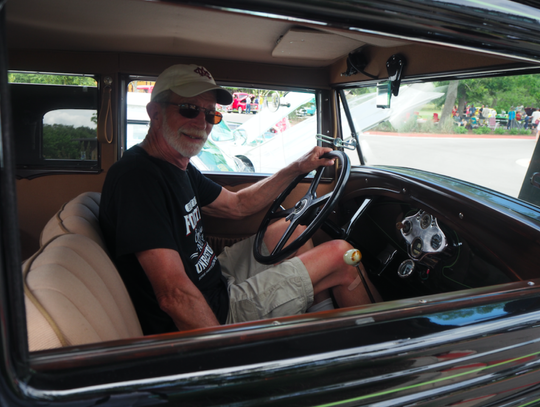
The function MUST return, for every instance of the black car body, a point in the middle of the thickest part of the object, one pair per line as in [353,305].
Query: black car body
[462,330]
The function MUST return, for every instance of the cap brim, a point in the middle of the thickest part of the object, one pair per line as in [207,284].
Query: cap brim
[223,96]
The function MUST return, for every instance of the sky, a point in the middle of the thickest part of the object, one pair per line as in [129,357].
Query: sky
[74,117]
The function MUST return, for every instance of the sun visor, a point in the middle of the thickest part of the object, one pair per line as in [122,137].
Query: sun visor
[313,44]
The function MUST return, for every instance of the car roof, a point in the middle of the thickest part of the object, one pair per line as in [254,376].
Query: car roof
[302,39]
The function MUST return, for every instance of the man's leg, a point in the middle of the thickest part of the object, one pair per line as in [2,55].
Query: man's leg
[328,271]
[326,268]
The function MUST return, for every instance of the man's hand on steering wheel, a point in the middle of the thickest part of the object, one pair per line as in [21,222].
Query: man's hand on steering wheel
[314,159]
[310,210]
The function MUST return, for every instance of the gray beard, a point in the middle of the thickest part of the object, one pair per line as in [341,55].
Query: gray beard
[174,140]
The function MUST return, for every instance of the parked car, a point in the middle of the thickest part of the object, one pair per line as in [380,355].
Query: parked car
[239,103]
[448,224]
[308,110]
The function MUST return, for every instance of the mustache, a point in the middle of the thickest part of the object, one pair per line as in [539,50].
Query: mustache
[194,133]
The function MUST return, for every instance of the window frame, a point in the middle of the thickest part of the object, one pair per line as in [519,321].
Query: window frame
[30,104]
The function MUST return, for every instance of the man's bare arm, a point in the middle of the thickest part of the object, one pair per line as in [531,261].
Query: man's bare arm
[256,197]
[176,294]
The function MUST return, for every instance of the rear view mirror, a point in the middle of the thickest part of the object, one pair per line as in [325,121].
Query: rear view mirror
[384,94]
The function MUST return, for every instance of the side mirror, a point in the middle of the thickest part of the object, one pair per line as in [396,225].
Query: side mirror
[273,101]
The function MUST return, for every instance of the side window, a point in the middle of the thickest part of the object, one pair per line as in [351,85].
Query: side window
[55,123]
[70,134]
[262,130]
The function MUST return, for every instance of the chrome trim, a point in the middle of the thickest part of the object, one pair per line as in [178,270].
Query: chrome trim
[363,352]
[359,212]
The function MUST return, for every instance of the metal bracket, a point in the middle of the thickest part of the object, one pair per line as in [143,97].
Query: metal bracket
[535,179]
[337,142]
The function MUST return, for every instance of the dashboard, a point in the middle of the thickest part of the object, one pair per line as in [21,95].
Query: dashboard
[409,252]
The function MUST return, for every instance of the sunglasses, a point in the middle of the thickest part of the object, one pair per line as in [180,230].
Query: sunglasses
[190,111]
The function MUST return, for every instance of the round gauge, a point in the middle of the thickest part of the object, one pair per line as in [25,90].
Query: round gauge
[407,227]
[436,241]
[416,247]
[425,221]
[406,268]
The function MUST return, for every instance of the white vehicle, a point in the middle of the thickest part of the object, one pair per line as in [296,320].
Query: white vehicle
[271,124]
[211,158]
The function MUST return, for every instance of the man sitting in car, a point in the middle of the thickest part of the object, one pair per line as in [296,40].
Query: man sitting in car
[151,213]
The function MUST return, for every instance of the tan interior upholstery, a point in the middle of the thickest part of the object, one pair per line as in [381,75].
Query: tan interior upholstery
[80,216]
[73,293]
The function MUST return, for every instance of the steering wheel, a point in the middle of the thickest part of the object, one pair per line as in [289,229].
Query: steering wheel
[305,212]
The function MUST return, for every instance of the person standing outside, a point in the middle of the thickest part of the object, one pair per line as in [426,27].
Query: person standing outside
[511,118]
[248,104]
[535,120]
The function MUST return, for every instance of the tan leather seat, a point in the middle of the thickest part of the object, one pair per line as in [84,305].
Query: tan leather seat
[80,215]
[73,293]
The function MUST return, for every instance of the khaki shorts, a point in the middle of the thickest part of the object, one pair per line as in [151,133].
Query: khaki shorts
[258,291]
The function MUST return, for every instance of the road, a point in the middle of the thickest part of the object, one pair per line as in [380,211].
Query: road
[497,163]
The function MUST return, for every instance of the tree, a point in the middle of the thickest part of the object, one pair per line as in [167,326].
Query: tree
[66,142]
[503,92]
[450,101]
[15,77]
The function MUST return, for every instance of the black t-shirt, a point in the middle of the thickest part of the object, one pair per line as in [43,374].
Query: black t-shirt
[148,203]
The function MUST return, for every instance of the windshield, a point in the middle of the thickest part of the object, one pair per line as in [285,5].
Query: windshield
[481,131]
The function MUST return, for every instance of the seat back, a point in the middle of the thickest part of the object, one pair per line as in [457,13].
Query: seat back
[73,292]
[80,216]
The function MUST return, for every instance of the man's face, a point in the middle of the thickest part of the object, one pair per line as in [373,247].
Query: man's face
[187,136]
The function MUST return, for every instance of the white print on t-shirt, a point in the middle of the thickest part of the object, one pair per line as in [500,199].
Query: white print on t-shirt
[199,238]
[190,205]
[207,258]
[192,219]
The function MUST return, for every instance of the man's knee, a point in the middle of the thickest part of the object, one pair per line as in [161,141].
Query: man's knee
[332,252]
[336,249]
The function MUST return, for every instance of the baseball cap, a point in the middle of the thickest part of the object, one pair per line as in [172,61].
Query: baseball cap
[188,81]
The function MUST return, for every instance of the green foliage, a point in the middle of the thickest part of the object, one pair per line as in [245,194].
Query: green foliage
[63,142]
[460,130]
[482,130]
[499,130]
[385,126]
[513,131]
[446,127]
[502,93]
[524,132]
[256,92]
[362,91]
[14,77]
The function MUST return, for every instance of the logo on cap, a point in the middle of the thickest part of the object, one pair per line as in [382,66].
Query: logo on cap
[203,72]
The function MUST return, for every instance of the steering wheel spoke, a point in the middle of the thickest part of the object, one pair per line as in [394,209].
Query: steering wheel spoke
[285,238]
[320,200]
[310,209]
[281,214]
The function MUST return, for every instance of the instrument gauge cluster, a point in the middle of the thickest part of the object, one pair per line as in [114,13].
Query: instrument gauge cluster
[422,234]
